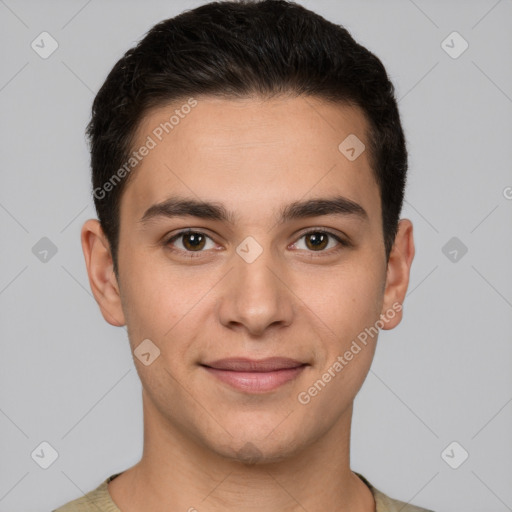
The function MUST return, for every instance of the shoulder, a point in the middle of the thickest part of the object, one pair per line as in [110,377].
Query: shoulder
[97,499]
[386,504]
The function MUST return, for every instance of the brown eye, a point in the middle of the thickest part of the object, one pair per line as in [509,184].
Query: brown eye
[317,240]
[190,241]
[193,241]
[320,241]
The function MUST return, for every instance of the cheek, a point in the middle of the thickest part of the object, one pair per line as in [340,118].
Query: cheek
[347,299]
[150,300]
[350,312]
[162,303]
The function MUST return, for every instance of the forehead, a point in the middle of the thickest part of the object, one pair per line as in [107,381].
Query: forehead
[249,152]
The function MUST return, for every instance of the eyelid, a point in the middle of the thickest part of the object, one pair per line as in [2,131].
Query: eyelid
[318,229]
[168,239]
[343,241]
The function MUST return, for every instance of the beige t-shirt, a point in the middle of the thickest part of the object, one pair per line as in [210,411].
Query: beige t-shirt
[99,500]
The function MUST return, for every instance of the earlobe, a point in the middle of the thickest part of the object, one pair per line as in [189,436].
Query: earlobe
[102,279]
[397,276]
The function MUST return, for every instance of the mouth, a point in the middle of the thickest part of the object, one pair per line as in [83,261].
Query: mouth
[255,376]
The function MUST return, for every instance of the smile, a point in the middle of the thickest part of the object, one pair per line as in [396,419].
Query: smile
[254,376]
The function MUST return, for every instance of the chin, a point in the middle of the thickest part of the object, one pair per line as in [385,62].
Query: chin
[252,451]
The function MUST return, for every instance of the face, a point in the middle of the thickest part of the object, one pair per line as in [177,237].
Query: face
[251,256]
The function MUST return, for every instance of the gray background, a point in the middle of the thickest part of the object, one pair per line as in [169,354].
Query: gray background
[443,375]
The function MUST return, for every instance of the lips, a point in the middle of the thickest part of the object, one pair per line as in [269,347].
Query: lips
[255,376]
[251,365]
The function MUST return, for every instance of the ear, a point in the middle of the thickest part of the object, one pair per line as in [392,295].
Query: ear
[397,276]
[100,269]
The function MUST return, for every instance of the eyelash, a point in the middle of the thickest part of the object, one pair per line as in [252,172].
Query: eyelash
[314,254]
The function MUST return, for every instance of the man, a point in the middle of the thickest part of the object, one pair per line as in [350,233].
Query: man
[248,168]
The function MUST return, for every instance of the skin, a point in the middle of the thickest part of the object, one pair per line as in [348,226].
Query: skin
[208,446]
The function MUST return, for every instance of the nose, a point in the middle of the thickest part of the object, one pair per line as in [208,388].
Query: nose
[255,296]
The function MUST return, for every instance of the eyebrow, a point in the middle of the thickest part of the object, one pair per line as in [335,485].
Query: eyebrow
[180,207]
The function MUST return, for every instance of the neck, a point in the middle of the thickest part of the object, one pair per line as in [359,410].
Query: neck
[177,472]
